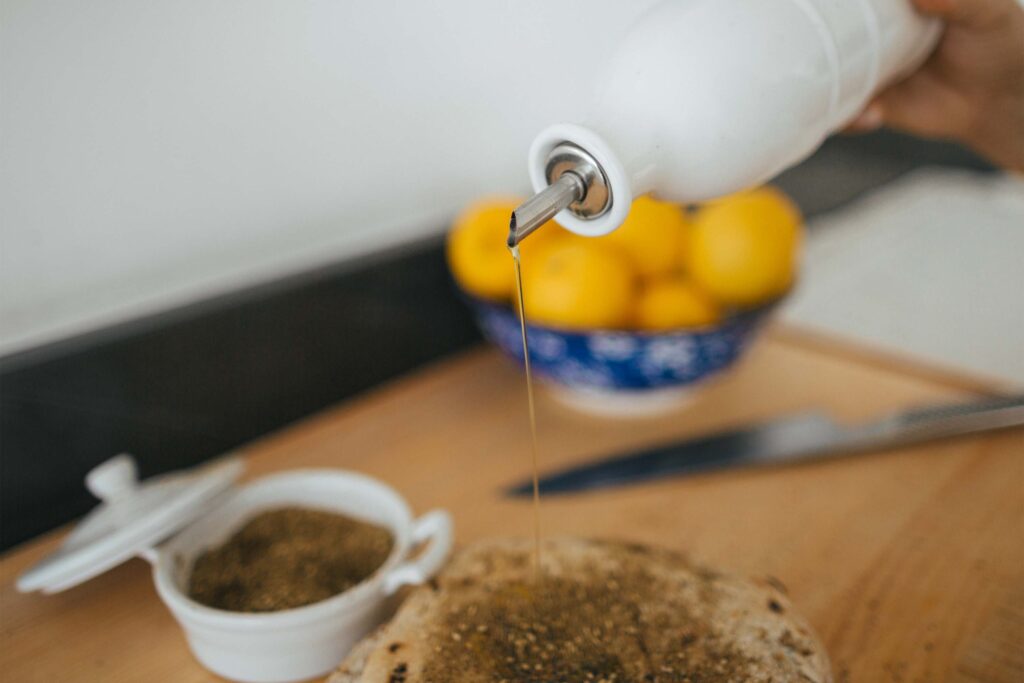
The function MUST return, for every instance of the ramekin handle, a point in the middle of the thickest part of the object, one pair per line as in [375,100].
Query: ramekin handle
[434,528]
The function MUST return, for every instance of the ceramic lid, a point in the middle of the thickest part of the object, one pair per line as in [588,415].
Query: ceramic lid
[132,518]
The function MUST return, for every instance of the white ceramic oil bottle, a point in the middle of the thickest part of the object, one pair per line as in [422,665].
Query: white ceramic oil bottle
[707,97]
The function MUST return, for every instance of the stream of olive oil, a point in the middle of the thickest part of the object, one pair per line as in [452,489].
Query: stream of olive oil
[533,415]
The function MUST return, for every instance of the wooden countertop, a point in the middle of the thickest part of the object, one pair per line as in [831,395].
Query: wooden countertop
[910,563]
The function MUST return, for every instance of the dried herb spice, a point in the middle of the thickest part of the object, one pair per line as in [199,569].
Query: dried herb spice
[288,557]
[599,627]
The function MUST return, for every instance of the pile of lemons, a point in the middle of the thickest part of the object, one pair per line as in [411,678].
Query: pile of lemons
[665,268]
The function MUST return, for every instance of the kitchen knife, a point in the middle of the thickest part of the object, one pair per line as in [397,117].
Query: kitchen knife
[789,439]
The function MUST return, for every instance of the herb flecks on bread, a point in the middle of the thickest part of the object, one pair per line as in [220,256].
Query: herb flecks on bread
[602,611]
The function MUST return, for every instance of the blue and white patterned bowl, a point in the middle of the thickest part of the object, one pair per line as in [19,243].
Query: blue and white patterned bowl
[616,372]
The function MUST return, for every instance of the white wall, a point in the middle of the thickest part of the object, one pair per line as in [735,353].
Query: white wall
[154,152]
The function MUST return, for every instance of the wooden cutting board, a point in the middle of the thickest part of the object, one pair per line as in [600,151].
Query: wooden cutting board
[909,563]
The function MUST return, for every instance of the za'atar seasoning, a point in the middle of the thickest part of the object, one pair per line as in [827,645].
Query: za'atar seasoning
[288,557]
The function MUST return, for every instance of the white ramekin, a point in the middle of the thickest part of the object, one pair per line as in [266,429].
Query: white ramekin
[301,643]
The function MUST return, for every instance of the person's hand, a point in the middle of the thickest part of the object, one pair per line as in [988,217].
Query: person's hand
[971,89]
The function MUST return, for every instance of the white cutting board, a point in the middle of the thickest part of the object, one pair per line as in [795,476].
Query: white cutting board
[931,265]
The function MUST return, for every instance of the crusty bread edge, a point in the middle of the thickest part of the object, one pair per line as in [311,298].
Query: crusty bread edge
[351,669]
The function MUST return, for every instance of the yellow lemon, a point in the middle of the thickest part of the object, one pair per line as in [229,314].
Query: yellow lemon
[579,284]
[743,248]
[478,252]
[673,302]
[532,250]
[651,236]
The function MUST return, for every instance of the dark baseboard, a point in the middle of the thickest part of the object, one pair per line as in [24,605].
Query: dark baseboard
[187,385]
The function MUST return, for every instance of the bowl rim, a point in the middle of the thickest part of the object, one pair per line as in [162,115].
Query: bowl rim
[732,317]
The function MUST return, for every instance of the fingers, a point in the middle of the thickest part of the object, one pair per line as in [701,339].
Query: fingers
[868,120]
[922,105]
[969,13]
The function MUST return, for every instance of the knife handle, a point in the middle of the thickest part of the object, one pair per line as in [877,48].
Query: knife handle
[923,424]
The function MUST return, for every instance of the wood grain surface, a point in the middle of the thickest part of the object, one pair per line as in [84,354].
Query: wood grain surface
[910,563]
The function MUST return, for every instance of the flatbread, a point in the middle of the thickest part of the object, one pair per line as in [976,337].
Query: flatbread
[601,611]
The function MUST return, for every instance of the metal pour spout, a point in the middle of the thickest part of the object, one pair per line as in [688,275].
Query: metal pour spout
[541,207]
[577,183]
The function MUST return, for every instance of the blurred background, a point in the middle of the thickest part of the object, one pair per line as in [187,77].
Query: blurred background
[218,218]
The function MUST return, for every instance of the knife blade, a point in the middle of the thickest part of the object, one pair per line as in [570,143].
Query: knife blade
[788,439]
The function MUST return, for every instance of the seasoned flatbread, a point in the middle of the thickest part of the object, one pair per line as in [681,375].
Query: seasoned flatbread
[601,611]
